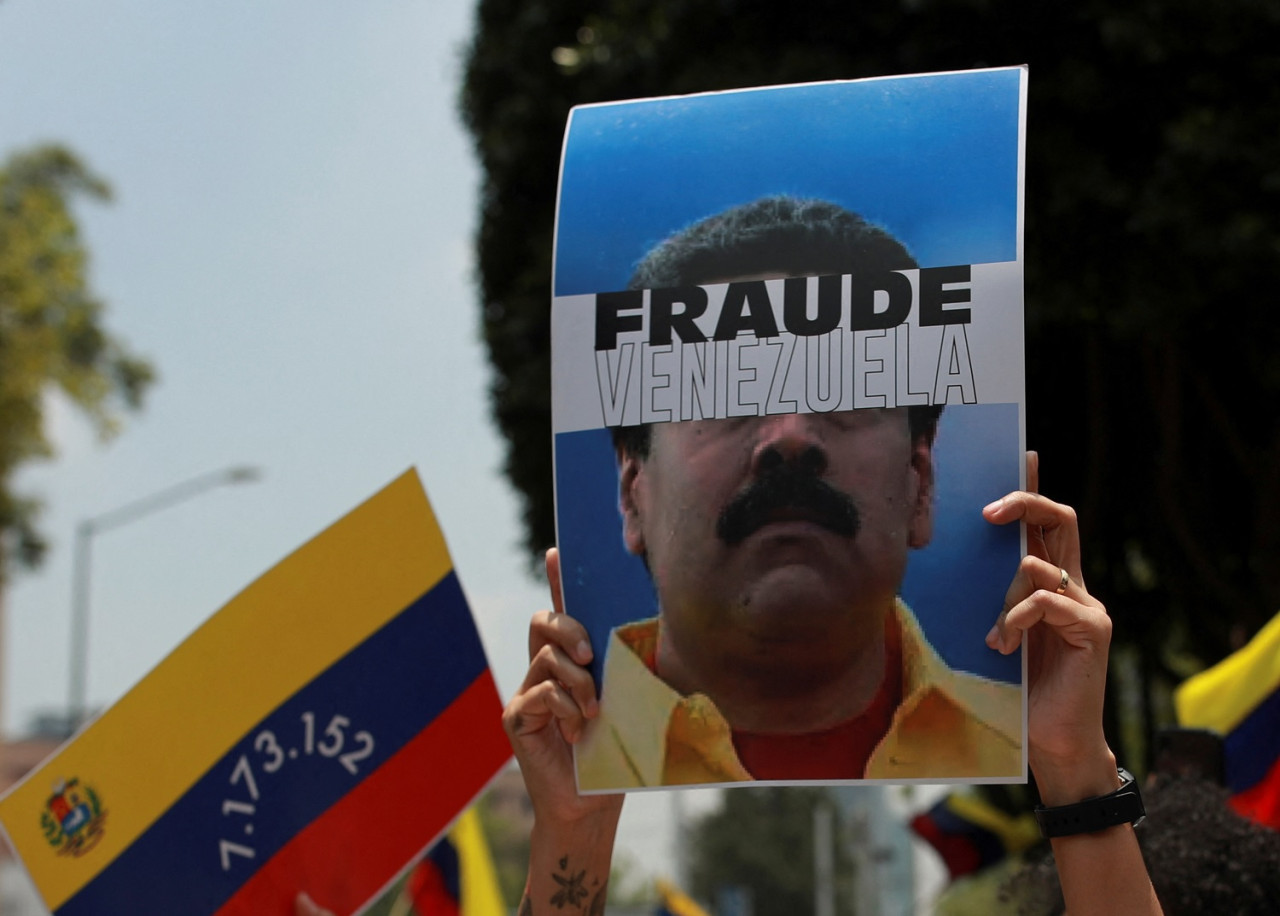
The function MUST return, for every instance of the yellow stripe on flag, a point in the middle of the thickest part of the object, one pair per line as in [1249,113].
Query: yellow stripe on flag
[677,902]
[272,639]
[1016,832]
[481,895]
[1220,697]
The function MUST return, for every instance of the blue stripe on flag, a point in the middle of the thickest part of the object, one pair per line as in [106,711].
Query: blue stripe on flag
[986,843]
[1253,746]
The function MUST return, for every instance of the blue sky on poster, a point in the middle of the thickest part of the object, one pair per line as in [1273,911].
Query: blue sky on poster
[291,244]
[927,157]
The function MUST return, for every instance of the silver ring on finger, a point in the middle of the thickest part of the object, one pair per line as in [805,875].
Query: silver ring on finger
[1063,582]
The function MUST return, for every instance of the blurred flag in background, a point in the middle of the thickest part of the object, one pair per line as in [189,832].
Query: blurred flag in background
[970,833]
[1239,698]
[674,902]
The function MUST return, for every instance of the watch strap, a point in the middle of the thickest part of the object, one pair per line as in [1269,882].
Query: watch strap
[1123,806]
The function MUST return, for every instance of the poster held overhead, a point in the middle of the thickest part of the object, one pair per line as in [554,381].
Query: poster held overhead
[787,374]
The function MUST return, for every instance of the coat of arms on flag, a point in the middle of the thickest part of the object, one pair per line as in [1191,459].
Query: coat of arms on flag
[73,819]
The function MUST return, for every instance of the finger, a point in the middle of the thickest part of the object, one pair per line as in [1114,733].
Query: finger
[531,711]
[1053,533]
[1033,575]
[1029,507]
[1079,625]
[552,664]
[1035,583]
[550,628]
[552,563]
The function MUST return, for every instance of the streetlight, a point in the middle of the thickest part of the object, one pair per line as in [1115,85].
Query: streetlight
[86,529]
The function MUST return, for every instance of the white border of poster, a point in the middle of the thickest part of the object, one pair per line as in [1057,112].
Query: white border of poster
[936,160]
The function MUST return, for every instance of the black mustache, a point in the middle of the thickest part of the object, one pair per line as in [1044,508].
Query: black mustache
[787,488]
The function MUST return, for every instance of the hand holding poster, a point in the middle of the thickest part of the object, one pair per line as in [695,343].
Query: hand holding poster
[316,734]
[787,376]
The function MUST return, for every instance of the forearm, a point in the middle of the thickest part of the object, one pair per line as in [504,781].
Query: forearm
[569,864]
[1101,872]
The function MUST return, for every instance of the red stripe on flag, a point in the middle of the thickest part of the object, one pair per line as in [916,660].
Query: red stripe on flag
[429,890]
[350,852]
[958,851]
[1261,802]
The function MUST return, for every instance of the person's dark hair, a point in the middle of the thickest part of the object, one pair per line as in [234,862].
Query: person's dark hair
[1202,856]
[792,236]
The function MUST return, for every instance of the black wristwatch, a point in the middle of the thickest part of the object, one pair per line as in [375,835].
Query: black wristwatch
[1123,806]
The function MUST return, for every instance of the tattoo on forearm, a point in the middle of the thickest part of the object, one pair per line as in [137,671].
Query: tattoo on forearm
[573,891]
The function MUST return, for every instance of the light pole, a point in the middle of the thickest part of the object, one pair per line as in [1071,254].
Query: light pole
[162,499]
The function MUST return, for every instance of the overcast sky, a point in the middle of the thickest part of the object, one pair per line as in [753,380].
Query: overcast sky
[290,244]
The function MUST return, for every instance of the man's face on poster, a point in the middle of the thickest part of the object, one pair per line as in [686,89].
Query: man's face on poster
[785,534]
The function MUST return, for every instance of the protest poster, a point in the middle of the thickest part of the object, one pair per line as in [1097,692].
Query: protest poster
[316,734]
[802,261]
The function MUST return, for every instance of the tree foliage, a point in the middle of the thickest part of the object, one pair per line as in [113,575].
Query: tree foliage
[1152,241]
[762,839]
[51,331]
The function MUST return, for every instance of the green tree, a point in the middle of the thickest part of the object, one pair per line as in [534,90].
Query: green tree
[51,332]
[1152,228]
[761,839]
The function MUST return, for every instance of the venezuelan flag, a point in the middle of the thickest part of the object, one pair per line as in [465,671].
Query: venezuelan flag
[1240,699]
[971,834]
[434,887]
[317,734]
[674,902]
